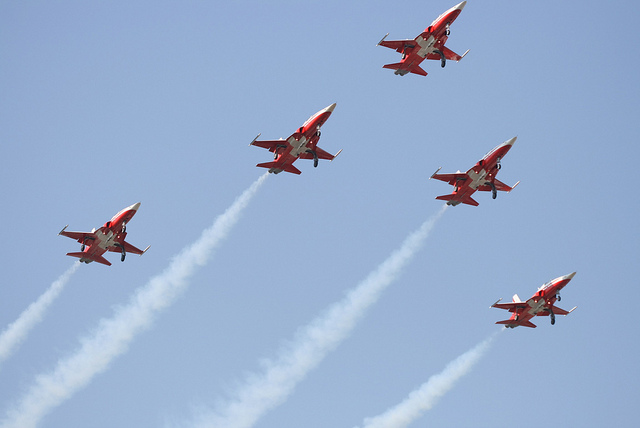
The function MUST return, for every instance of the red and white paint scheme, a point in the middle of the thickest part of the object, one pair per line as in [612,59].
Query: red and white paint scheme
[109,237]
[541,304]
[481,177]
[301,144]
[428,45]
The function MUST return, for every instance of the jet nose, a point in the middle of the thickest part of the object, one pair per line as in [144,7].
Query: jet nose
[570,276]
[511,141]
[460,6]
[330,108]
[134,207]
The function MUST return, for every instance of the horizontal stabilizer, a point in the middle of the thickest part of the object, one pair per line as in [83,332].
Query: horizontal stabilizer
[276,168]
[454,200]
[512,323]
[401,70]
[84,257]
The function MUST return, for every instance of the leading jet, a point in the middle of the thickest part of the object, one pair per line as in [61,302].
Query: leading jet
[540,304]
[109,237]
[428,45]
[302,144]
[481,177]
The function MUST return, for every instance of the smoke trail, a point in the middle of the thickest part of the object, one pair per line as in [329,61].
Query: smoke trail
[17,331]
[425,397]
[112,336]
[312,343]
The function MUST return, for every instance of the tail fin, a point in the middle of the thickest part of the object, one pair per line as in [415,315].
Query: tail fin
[84,257]
[401,70]
[516,299]
[276,168]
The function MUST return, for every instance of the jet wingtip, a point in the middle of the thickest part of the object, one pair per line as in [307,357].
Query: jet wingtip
[254,140]
[145,250]
[434,174]
[497,301]
[382,39]
[63,229]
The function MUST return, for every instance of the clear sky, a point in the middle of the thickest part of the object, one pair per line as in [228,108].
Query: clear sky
[104,104]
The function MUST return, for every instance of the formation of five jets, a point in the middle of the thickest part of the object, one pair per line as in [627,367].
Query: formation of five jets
[303,144]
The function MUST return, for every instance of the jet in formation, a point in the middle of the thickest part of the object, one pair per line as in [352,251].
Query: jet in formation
[540,304]
[302,144]
[109,237]
[481,177]
[428,45]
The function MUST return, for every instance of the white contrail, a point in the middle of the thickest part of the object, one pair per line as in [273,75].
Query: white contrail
[17,331]
[426,396]
[311,344]
[113,335]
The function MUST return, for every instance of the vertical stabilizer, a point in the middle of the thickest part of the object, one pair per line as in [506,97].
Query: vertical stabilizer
[516,299]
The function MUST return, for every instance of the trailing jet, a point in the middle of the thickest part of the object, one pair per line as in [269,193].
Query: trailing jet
[541,304]
[109,237]
[428,45]
[481,177]
[302,144]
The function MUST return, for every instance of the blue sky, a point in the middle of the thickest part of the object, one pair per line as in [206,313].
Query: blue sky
[105,104]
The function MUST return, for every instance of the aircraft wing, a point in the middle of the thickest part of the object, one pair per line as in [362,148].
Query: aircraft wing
[270,145]
[322,154]
[128,248]
[81,237]
[511,307]
[448,54]
[450,178]
[499,186]
[398,45]
[557,311]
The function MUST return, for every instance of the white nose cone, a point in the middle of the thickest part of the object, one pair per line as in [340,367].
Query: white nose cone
[330,108]
[510,142]
[134,207]
[460,6]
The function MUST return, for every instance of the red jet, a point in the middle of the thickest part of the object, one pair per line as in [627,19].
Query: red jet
[428,45]
[541,304]
[109,237]
[301,144]
[481,177]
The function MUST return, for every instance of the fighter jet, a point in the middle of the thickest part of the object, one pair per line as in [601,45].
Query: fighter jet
[302,144]
[428,45]
[109,237]
[540,304]
[481,177]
